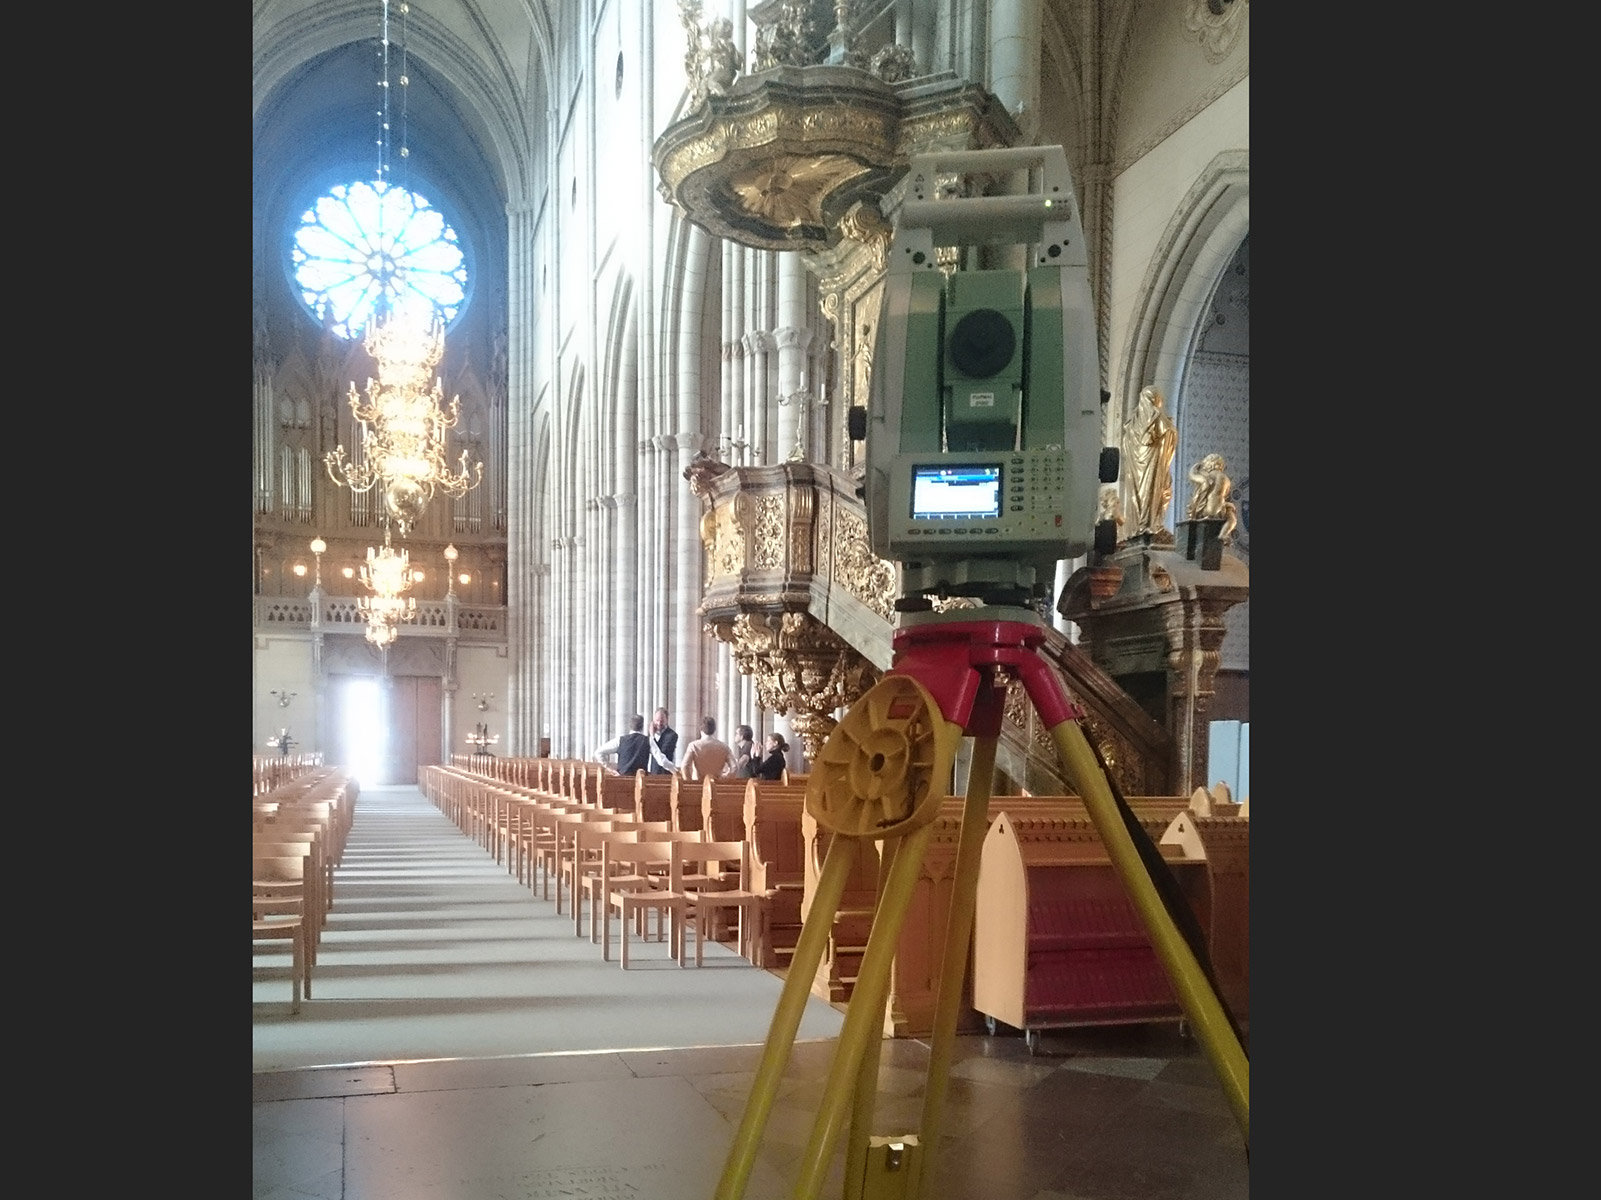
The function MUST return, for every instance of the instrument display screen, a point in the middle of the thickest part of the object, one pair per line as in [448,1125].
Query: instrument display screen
[965,490]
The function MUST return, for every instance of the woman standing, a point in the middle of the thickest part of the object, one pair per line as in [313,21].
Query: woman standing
[772,766]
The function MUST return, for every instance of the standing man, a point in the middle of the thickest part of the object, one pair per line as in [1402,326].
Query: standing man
[707,755]
[631,749]
[746,759]
[663,744]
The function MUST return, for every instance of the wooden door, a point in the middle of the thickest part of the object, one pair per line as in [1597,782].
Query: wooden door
[416,713]
[384,729]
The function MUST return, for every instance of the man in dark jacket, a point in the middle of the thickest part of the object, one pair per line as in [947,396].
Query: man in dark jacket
[663,744]
[632,748]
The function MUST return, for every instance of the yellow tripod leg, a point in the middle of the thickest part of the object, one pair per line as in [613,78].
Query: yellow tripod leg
[865,1100]
[864,1016]
[1200,1002]
[958,935]
[787,1017]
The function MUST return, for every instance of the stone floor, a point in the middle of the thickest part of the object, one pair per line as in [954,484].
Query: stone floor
[462,1044]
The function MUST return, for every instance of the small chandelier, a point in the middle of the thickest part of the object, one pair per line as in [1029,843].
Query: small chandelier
[404,421]
[387,575]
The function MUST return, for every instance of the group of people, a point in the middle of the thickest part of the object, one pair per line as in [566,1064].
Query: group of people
[707,756]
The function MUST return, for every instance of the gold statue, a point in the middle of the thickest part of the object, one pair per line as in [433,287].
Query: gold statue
[1149,440]
[711,62]
[1210,499]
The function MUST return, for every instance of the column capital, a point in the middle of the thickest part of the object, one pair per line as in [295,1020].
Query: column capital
[792,337]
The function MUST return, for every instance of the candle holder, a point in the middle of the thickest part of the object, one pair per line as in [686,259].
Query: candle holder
[480,741]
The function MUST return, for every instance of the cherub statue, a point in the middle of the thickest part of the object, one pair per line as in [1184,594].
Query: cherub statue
[1108,508]
[720,55]
[1210,499]
[711,61]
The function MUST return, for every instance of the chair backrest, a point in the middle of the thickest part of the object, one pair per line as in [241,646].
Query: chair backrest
[642,854]
[711,855]
[277,868]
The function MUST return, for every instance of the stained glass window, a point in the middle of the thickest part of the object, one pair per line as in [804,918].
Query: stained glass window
[364,240]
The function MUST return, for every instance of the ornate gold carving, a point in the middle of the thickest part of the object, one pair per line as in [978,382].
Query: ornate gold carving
[799,666]
[711,62]
[869,578]
[825,537]
[797,36]
[788,190]
[773,161]
[863,223]
[893,63]
[800,530]
[767,538]
[730,554]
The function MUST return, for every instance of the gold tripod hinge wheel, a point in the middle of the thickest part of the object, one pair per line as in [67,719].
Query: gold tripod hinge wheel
[886,767]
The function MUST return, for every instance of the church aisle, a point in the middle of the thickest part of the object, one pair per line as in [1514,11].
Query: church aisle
[432,950]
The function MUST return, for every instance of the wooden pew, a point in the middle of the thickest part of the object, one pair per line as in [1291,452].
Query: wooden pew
[914,976]
[653,797]
[684,804]
[722,808]
[773,813]
[616,791]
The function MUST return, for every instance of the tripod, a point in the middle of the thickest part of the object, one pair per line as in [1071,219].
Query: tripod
[881,776]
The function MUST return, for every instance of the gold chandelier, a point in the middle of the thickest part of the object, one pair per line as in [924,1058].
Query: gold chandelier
[404,420]
[387,575]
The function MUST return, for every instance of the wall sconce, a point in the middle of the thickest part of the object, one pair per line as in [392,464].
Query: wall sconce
[483,701]
[283,697]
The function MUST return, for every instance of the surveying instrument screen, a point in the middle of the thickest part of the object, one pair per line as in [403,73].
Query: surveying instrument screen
[956,492]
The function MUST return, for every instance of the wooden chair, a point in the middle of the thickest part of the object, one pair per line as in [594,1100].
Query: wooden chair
[544,841]
[703,904]
[277,911]
[566,832]
[306,847]
[607,875]
[578,860]
[636,904]
[290,825]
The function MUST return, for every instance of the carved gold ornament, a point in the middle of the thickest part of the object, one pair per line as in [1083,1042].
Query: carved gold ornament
[790,191]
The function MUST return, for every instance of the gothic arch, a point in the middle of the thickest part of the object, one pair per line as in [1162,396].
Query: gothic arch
[489,97]
[1191,256]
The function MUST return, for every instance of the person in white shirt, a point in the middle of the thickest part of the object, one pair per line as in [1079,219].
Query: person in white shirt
[707,755]
[631,750]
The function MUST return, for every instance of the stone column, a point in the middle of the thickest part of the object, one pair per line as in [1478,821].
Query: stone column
[793,337]
[1194,632]
[526,533]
